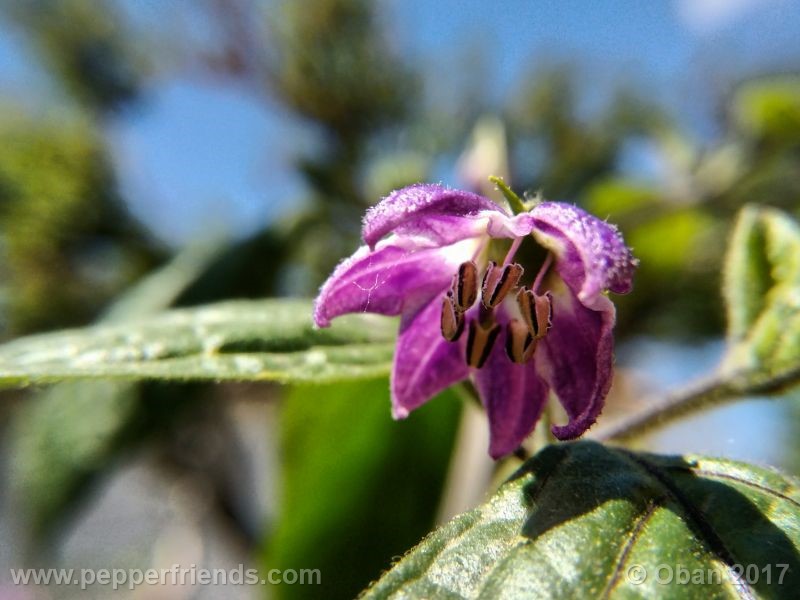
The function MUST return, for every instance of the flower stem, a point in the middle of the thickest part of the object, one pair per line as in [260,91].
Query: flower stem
[704,394]
[514,201]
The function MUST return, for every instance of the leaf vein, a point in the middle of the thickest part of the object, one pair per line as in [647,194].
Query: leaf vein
[747,482]
[633,537]
[694,515]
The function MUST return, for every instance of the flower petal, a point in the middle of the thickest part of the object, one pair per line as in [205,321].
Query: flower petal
[576,358]
[591,255]
[399,276]
[513,395]
[432,211]
[501,225]
[424,362]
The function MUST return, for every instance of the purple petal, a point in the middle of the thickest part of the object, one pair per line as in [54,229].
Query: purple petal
[513,395]
[424,362]
[399,276]
[591,255]
[501,225]
[440,214]
[576,357]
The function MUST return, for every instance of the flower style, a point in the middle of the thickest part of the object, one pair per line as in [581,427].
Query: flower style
[426,259]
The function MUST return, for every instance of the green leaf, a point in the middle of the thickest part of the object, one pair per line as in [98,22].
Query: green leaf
[762,291]
[579,519]
[357,487]
[267,340]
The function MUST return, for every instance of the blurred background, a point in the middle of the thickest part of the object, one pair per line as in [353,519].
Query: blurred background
[174,153]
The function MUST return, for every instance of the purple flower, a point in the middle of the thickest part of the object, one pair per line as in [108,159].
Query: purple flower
[426,259]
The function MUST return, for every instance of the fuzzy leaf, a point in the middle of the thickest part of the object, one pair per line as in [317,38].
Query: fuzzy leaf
[578,520]
[268,340]
[762,291]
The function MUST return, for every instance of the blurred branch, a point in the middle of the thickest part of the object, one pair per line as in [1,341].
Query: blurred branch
[705,394]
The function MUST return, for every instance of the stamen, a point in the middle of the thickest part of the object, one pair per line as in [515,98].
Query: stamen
[527,306]
[512,250]
[520,344]
[544,314]
[498,282]
[452,319]
[542,272]
[480,340]
[465,286]
[537,311]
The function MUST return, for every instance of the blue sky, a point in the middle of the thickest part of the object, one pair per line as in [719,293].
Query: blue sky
[200,156]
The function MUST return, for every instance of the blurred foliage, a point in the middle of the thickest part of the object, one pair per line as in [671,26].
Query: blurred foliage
[357,487]
[559,150]
[67,243]
[335,67]
[680,247]
[678,226]
[240,270]
[84,45]
[769,111]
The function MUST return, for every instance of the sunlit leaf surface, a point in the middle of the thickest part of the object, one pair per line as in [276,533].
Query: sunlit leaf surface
[585,521]
[270,340]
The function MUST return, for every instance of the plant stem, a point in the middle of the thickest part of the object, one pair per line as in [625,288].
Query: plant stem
[702,395]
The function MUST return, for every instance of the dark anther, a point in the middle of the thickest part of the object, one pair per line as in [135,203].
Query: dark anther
[452,319]
[537,311]
[480,340]
[465,286]
[544,313]
[527,306]
[520,344]
[498,282]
